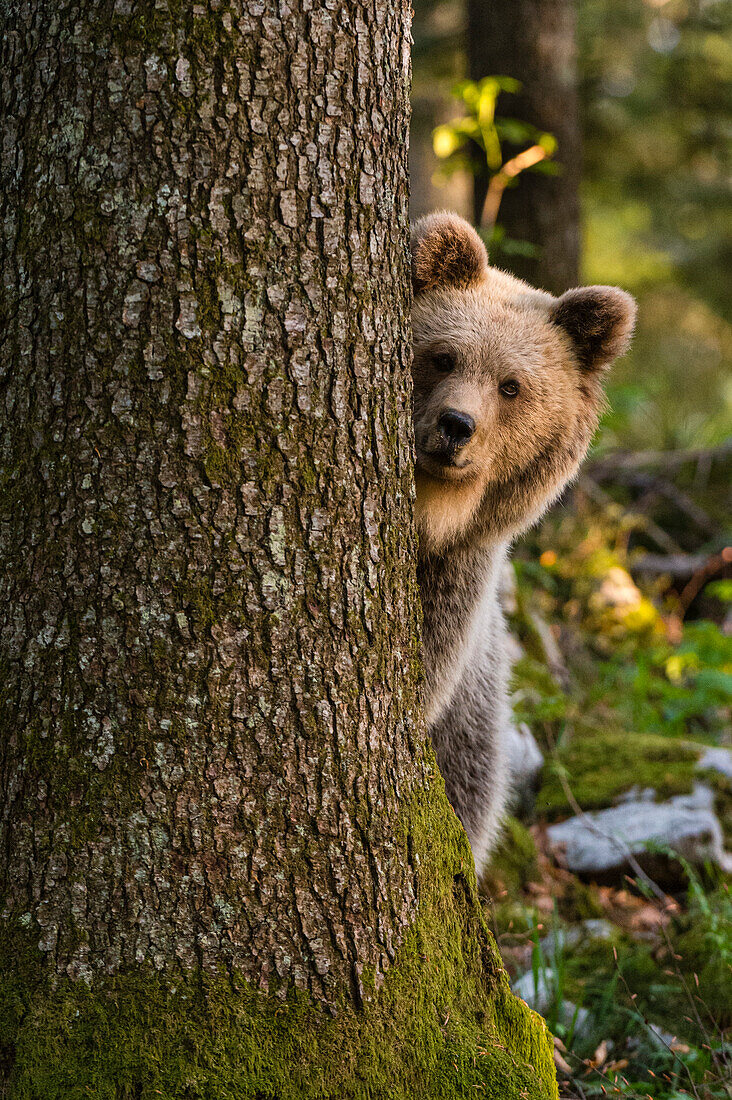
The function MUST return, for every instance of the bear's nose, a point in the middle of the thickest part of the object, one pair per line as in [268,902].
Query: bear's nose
[457,427]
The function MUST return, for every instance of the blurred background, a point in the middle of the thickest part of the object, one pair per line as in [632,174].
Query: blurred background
[589,142]
[637,95]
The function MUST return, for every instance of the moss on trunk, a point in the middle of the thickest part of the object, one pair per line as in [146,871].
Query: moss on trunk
[228,866]
[442,1024]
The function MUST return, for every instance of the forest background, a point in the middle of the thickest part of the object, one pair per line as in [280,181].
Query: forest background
[620,605]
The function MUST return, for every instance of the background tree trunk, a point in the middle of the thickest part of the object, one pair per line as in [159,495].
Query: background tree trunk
[228,867]
[534,41]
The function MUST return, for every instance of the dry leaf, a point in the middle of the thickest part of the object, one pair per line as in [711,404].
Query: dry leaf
[560,1063]
[600,1056]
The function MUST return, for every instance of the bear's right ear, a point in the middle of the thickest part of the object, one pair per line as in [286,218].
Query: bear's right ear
[599,320]
[446,251]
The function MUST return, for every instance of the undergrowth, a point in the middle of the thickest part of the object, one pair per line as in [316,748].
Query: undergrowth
[624,691]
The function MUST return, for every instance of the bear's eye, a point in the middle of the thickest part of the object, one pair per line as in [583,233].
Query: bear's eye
[443,362]
[509,388]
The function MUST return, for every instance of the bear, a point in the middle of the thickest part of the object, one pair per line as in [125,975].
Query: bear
[507,396]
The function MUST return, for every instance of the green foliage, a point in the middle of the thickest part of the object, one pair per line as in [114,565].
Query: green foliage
[643,1016]
[474,140]
[601,766]
[631,675]
[643,696]
[473,143]
[689,994]
[655,91]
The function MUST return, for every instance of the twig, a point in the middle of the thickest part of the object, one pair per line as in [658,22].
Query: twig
[650,1027]
[701,577]
[692,1002]
[659,486]
[527,159]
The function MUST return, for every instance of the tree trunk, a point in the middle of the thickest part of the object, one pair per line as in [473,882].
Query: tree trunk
[228,867]
[534,41]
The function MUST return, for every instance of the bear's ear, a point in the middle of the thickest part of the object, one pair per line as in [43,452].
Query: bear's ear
[600,321]
[446,251]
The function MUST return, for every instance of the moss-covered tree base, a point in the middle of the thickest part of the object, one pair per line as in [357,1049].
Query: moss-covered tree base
[139,1038]
[443,1024]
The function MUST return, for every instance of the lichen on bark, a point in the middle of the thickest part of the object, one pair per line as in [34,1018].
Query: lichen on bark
[214,772]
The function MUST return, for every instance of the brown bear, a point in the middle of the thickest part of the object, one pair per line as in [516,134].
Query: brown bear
[507,395]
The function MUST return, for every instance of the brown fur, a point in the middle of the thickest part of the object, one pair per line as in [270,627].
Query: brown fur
[446,251]
[475,330]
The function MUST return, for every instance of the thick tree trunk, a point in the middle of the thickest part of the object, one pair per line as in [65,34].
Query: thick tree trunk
[534,41]
[228,867]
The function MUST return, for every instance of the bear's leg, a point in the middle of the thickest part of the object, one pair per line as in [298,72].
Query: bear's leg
[473,758]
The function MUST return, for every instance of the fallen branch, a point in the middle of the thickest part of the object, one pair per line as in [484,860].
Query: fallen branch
[677,566]
[656,486]
[587,485]
[670,460]
[713,566]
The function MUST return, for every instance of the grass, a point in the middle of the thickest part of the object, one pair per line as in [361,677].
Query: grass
[621,694]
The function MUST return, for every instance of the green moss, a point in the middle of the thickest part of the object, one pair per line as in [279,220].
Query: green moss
[207,297]
[444,1023]
[139,1037]
[599,766]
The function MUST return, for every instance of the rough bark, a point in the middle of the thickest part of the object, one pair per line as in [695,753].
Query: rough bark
[534,41]
[220,865]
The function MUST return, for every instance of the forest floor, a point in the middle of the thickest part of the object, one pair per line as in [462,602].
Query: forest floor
[622,614]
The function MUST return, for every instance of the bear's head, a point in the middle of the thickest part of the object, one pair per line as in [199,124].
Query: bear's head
[507,385]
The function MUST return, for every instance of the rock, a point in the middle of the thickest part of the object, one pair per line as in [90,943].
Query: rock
[597,929]
[701,798]
[600,843]
[636,794]
[652,1034]
[526,761]
[539,995]
[567,938]
[716,760]
[660,1036]
[535,990]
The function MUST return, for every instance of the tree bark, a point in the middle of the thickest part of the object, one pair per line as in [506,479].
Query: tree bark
[534,41]
[228,867]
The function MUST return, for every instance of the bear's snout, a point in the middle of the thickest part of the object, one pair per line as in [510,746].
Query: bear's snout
[456,428]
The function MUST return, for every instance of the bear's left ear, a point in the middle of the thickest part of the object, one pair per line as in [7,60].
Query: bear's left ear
[599,320]
[446,251]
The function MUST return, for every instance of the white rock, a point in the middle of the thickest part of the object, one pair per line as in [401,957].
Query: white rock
[535,990]
[636,794]
[526,761]
[717,760]
[564,939]
[660,1036]
[539,995]
[600,843]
